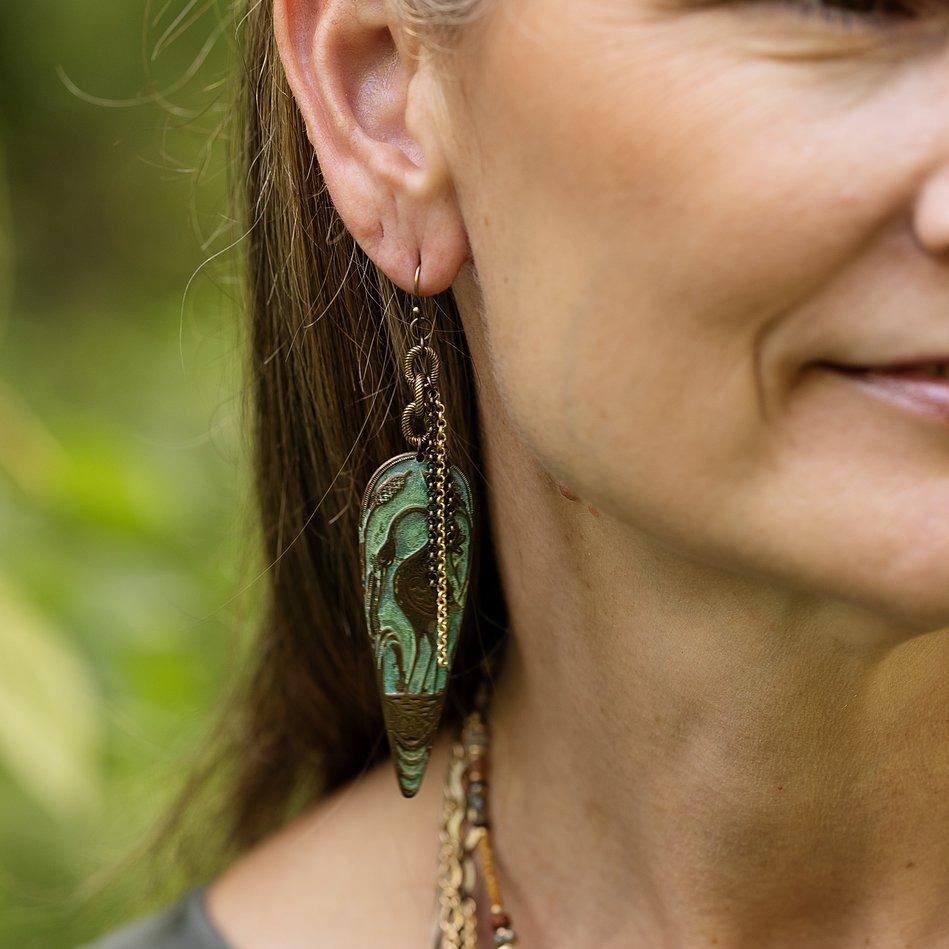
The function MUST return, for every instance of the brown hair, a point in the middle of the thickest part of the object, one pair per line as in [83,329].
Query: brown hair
[329,335]
[328,331]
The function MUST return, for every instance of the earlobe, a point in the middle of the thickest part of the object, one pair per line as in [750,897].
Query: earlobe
[355,89]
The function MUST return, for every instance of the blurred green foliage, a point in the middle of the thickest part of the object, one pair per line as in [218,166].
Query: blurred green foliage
[125,532]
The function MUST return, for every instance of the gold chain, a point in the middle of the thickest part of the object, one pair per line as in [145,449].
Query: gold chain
[442,587]
[456,920]
[424,379]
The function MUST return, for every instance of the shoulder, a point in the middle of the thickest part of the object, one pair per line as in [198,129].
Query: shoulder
[183,925]
[363,846]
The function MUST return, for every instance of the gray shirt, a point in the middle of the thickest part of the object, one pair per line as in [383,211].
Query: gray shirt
[184,924]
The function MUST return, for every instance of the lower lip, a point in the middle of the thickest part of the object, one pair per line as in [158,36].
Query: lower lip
[923,396]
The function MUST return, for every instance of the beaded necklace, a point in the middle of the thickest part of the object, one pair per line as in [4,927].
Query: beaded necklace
[464,835]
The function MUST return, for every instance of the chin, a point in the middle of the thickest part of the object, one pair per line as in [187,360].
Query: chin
[909,596]
[921,607]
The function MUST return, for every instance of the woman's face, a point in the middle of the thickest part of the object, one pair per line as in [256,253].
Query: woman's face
[679,212]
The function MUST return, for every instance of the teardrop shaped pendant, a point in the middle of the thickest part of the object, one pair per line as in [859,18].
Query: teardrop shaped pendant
[415,534]
[402,608]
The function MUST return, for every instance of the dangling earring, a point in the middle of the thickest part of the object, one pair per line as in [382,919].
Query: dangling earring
[415,529]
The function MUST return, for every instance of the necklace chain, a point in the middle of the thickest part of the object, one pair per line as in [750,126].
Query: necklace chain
[465,834]
[457,923]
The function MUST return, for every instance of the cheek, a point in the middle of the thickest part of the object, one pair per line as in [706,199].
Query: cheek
[628,209]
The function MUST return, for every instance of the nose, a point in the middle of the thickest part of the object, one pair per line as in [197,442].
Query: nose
[931,212]
[931,218]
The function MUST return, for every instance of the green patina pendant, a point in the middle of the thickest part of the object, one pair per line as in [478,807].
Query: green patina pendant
[401,603]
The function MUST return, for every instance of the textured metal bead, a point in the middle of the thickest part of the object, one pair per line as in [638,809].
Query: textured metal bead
[505,937]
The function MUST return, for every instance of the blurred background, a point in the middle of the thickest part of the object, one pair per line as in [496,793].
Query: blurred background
[127,559]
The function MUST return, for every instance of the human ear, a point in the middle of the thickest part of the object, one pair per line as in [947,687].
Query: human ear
[359,87]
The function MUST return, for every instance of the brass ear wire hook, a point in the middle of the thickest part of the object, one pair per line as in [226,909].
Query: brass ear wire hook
[418,320]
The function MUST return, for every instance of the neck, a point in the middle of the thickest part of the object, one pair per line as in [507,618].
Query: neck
[685,757]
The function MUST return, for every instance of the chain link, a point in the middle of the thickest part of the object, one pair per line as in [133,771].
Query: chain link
[441,541]
[421,369]
[456,918]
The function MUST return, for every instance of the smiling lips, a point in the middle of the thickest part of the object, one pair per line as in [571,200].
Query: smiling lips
[916,370]
[921,385]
